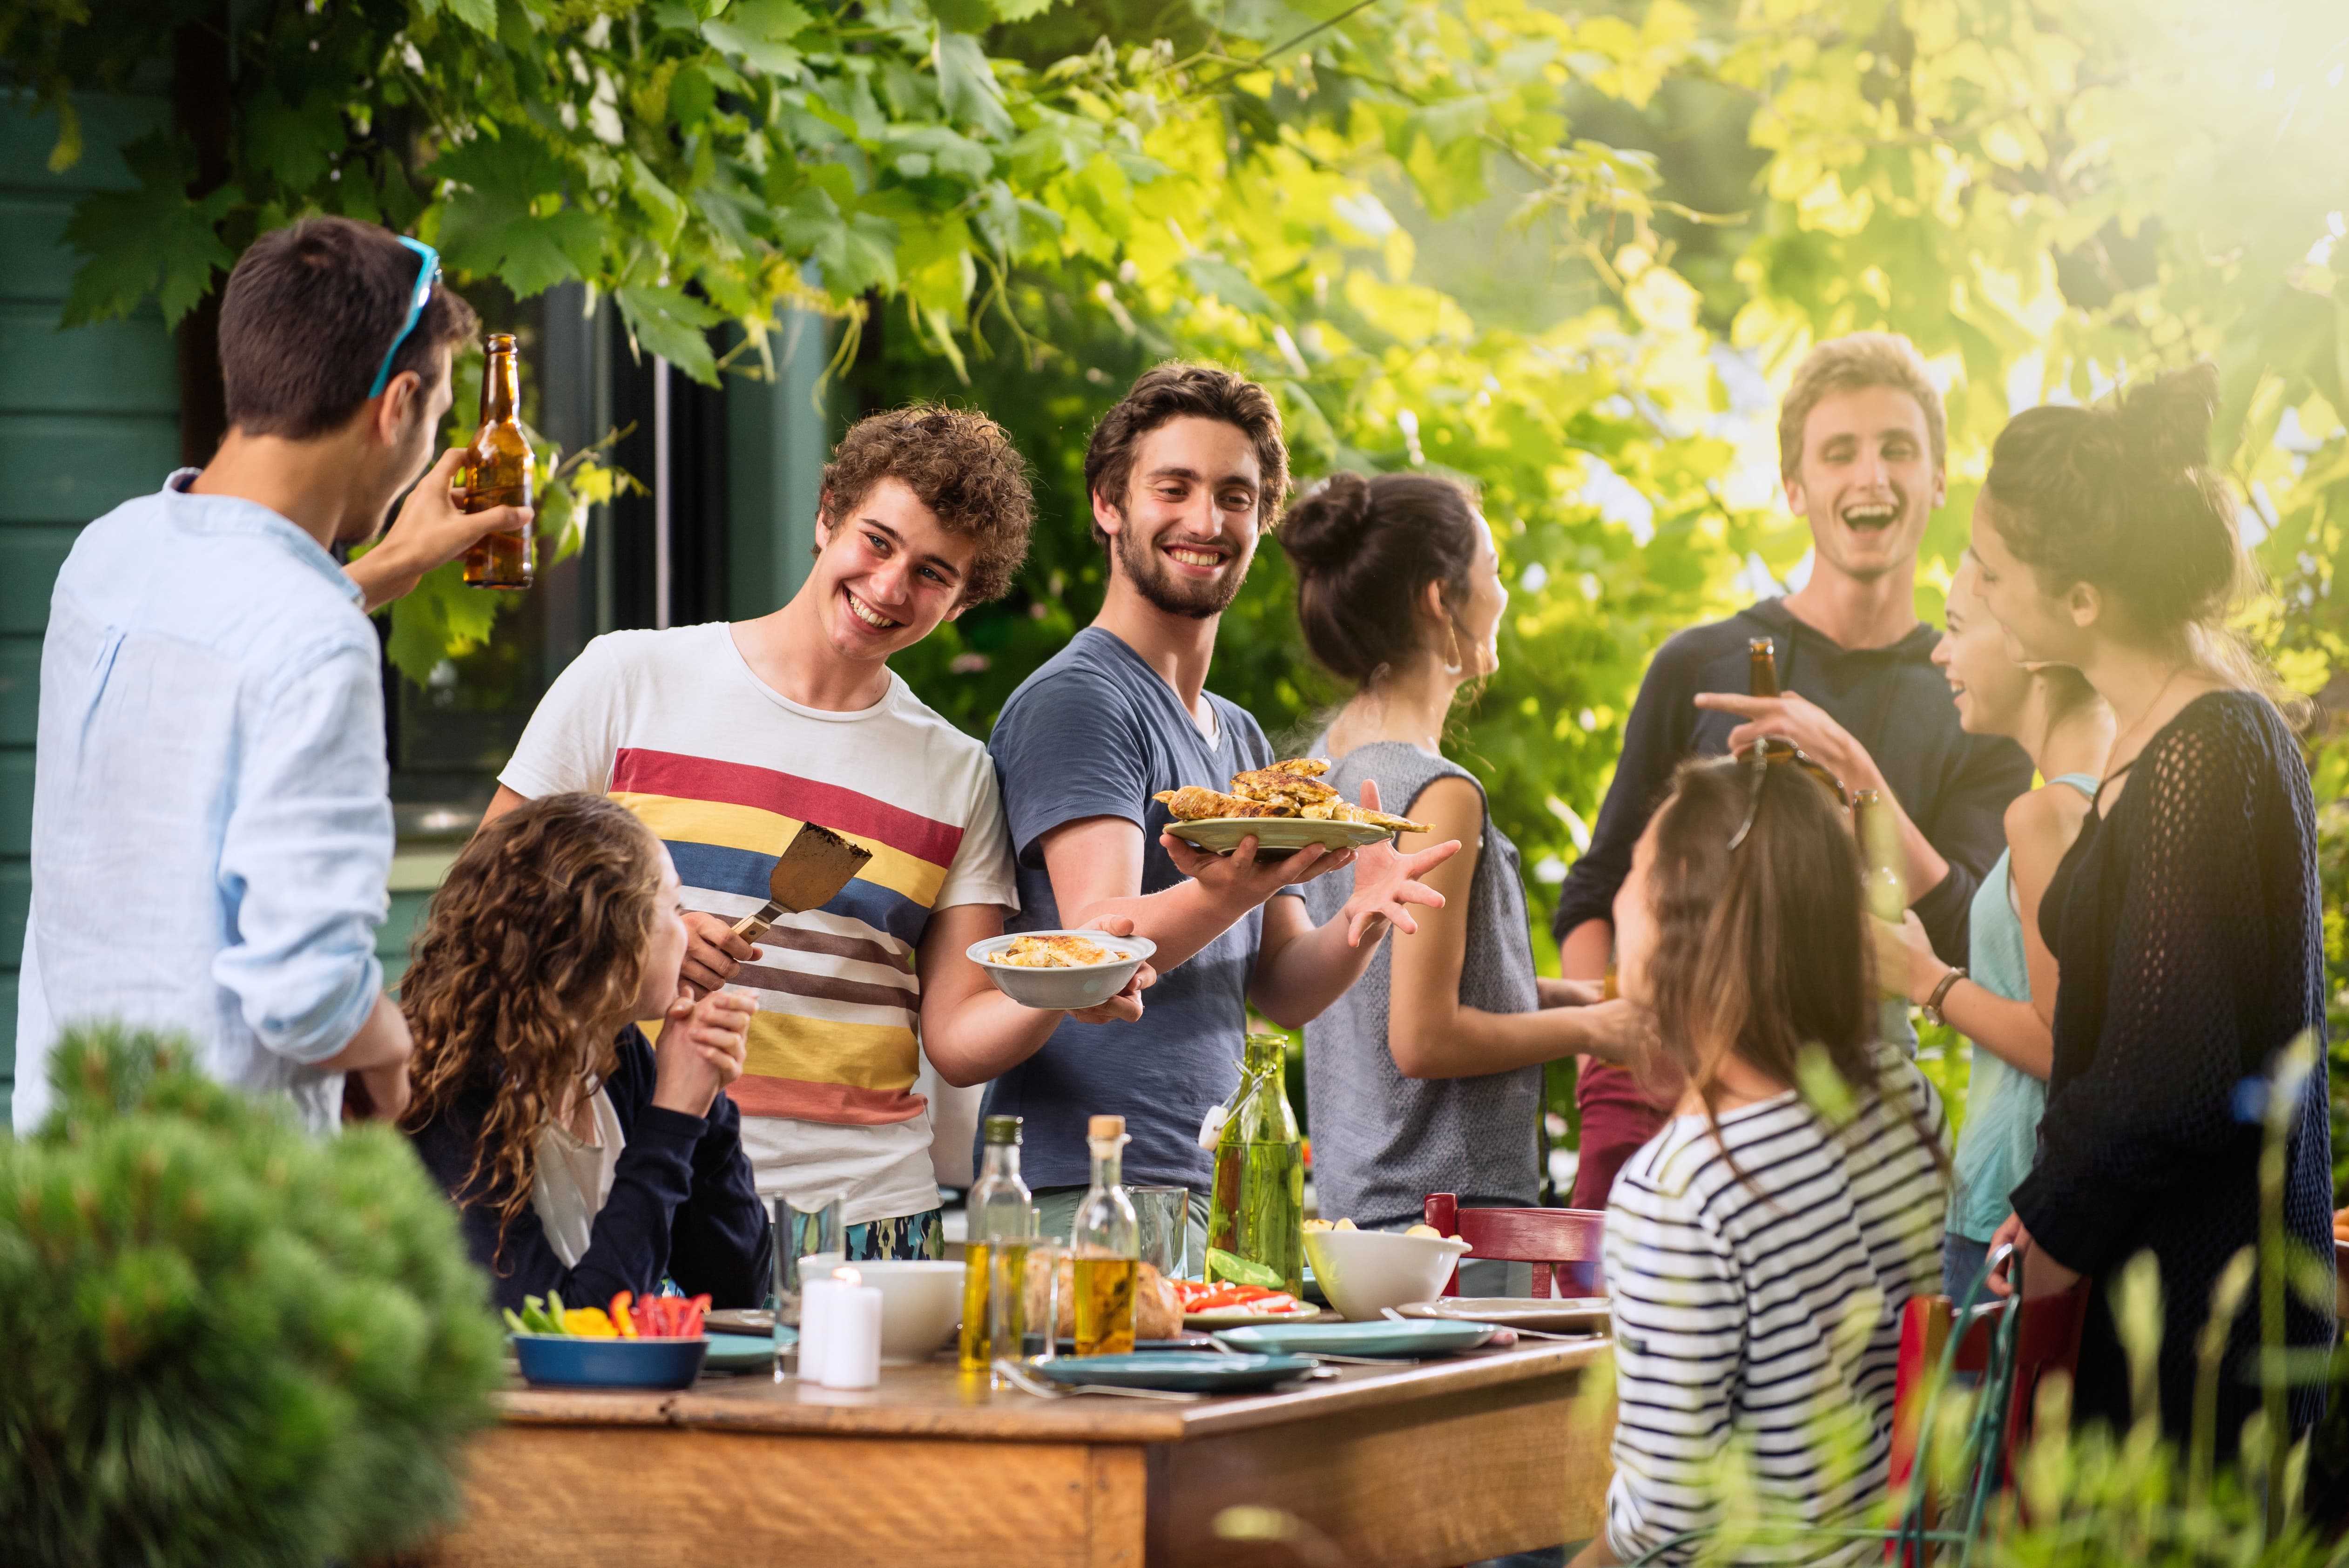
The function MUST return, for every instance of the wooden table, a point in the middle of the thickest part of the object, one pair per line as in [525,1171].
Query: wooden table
[1420,1465]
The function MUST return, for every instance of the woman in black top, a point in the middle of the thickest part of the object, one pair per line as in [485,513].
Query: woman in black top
[2185,918]
[583,1160]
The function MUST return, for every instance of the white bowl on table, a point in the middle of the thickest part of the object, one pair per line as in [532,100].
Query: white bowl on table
[1363,1272]
[921,1306]
[1085,985]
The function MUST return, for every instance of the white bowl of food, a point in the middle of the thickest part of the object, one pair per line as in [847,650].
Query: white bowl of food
[1363,1272]
[921,1306]
[1061,969]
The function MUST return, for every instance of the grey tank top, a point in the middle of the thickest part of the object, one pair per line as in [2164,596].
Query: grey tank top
[1382,1142]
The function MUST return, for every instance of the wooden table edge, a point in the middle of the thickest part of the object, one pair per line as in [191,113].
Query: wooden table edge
[1020,1420]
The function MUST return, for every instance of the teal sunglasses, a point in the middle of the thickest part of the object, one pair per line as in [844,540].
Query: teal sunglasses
[428,272]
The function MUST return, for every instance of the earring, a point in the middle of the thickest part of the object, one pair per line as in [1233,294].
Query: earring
[1452,650]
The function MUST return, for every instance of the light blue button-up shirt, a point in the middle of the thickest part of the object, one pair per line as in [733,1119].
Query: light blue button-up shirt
[212,821]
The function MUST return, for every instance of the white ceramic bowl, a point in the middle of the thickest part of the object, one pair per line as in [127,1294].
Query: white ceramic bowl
[921,1307]
[1087,986]
[1365,1272]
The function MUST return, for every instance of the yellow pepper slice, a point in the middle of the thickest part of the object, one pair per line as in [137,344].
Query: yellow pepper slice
[622,1318]
[588,1323]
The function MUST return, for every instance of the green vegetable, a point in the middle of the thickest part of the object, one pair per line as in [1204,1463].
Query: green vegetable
[1223,1265]
[537,1320]
[514,1322]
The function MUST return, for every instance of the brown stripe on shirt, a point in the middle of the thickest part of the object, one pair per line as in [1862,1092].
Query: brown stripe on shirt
[802,939]
[826,987]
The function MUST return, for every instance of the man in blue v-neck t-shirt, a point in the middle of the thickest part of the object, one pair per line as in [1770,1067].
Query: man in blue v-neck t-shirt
[1186,473]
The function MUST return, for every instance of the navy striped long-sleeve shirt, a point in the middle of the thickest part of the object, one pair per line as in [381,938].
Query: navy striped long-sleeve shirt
[1757,1282]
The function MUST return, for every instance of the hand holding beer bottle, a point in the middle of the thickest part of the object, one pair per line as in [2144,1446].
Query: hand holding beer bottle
[496,471]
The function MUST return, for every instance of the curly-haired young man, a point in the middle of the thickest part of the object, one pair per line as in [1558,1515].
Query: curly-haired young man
[723,738]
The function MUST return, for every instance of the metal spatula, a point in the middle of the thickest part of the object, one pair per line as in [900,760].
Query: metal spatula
[813,868]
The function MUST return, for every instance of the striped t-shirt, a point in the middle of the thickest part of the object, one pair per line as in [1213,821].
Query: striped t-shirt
[1757,1313]
[724,769]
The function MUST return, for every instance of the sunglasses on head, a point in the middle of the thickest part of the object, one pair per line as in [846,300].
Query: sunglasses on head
[1769,751]
[428,272]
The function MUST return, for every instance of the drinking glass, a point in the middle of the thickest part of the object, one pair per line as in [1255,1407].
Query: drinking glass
[1164,1217]
[809,1244]
[1043,1328]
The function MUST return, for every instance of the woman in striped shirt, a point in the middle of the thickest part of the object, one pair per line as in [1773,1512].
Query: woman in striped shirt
[1760,1248]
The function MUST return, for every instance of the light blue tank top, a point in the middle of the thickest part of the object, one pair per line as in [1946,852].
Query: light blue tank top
[2001,1136]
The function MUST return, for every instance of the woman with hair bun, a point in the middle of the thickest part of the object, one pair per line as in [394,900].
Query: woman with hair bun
[2185,918]
[1426,1076]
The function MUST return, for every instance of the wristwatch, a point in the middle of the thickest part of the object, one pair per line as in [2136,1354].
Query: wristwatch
[1949,977]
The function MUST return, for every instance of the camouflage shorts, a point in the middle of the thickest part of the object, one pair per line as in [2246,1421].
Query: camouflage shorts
[913,1237]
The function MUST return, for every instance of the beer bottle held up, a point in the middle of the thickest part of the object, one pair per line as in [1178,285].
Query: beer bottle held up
[1760,667]
[496,473]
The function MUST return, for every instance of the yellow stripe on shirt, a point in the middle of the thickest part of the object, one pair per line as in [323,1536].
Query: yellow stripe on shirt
[766,833]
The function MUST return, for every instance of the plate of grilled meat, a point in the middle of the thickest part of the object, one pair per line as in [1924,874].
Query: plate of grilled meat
[1283,807]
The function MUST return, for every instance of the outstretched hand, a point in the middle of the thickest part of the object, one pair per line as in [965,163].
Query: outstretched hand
[1243,880]
[1386,882]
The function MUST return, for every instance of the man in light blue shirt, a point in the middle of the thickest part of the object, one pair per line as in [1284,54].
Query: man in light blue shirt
[212,827]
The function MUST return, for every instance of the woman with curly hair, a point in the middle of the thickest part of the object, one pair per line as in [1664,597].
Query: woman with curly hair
[584,1159]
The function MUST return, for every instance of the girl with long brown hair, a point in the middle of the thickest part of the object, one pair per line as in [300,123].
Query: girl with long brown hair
[584,1159]
[1760,1247]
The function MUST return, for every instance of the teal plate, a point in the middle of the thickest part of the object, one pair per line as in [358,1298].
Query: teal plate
[743,1352]
[1176,1371]
[1397,1339]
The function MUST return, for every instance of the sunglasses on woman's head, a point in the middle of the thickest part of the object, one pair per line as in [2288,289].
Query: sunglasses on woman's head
[1767,753]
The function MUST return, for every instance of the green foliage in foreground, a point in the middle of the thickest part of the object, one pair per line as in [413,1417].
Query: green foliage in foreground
[228,1342]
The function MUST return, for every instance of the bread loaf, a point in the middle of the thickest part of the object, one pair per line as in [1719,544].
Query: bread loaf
[1157,1313]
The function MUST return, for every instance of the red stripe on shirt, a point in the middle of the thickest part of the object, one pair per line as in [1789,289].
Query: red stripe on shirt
[644,771]
[839,1104]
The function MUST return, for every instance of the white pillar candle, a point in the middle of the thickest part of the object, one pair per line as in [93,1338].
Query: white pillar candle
[852,1354]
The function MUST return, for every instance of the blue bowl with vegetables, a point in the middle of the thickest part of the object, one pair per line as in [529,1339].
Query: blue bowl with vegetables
[653,1343]
[570,1361]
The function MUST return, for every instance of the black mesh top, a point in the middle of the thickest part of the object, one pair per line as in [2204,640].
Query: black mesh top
[2189,930]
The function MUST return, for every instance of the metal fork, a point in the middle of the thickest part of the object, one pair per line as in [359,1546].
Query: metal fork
[1520,1333]
[1043,1390]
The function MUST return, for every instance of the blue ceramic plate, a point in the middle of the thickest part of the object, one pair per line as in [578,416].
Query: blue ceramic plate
[743,1352]
[1397,1339]
[569,1361]
[1178,1371]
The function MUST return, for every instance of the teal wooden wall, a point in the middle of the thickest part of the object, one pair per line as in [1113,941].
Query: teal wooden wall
[87,419]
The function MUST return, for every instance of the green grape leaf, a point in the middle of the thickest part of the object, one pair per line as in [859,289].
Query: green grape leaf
[671,323]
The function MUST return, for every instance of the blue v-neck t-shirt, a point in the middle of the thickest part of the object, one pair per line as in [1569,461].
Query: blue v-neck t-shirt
[1096,732]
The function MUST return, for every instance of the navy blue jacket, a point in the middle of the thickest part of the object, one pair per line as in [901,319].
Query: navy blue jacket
[682,1202]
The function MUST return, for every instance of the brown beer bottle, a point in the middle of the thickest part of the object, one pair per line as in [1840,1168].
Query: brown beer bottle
[1760,667]
[496,473]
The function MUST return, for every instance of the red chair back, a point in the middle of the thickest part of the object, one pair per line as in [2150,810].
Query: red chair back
[1562,1244]
[2047,1340]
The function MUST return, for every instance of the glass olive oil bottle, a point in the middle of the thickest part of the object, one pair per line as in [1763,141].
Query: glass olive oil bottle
[1107,1245]
[994,1256]
[1256,1219]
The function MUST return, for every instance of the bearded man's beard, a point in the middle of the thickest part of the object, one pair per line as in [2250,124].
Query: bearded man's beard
[1167,592]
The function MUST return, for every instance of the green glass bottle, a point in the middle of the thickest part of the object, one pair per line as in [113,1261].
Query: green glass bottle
[1256,1220]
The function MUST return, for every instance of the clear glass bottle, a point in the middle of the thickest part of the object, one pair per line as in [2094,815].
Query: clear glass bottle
[1106,1243]
[1883,865]
[1255,1218]
[994,1251]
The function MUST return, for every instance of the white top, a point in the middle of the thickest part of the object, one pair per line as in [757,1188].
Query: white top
[573,1178]
[725,769]
[1758,1308]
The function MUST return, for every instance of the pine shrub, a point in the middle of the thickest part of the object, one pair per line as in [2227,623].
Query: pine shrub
[222,1340]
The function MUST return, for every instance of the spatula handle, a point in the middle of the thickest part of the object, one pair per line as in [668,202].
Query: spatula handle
[750,928]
